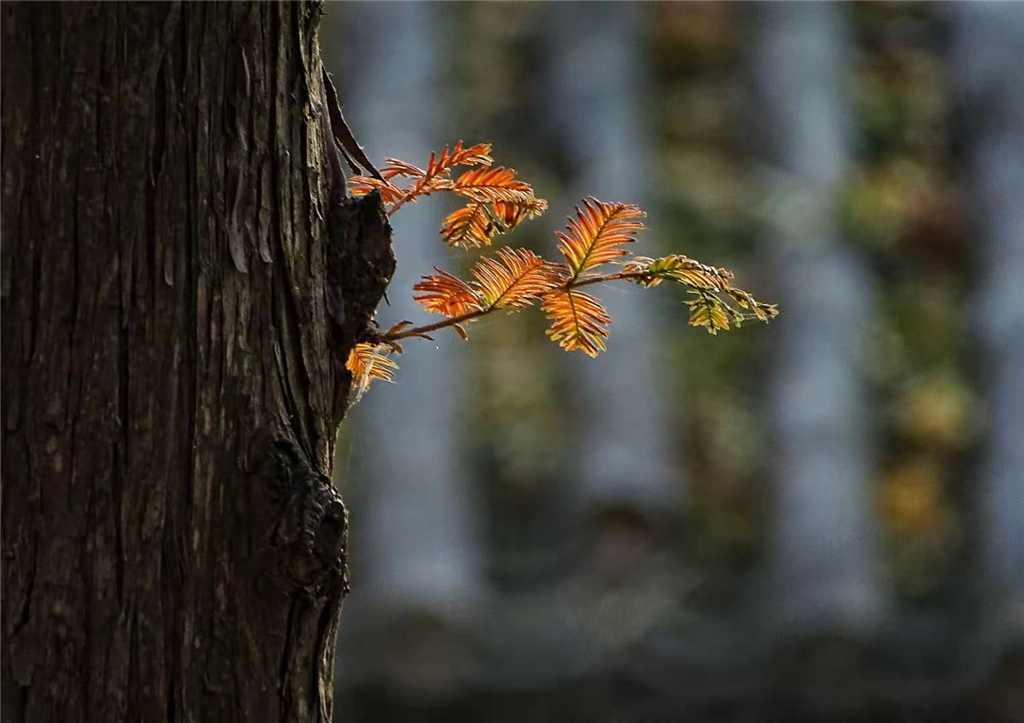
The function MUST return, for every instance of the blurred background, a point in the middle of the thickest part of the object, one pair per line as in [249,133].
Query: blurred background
[821,519]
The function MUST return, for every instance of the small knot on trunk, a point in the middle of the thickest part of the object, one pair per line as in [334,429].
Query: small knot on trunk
[312,528]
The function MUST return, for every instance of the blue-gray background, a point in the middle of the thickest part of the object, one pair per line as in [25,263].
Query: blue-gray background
[822,519]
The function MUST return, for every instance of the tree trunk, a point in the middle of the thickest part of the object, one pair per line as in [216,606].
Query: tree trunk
[988,51]
[822,605]
[595,69]
[180,289]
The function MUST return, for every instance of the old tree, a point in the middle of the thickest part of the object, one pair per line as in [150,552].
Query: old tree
[182,280]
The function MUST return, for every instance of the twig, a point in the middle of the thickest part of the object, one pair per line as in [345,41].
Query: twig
[469,316]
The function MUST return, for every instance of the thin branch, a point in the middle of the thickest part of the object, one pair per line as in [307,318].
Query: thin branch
[403,200]
[421,330]
[469,316]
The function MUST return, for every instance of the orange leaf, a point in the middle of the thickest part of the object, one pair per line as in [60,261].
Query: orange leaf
[494,185]
[394,167]
[478,155]
[476,224]
[468,227]
[367,362]
[434,178]
[447,294]
[594,237]
[511,215]
[579,321]
[514,280]
[362,185]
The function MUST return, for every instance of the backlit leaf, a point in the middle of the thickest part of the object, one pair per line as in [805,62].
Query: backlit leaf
[362,185]
[579,321]
[494,185]
[446,294]
[513,280]
[469,227]
[368,362]
[709,312]
[596,235]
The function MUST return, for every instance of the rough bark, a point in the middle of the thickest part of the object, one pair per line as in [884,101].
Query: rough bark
[180,288]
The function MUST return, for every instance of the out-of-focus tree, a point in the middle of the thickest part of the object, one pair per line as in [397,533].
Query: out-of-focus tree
[821,542]
[988,55]
[626,484]
[596,90]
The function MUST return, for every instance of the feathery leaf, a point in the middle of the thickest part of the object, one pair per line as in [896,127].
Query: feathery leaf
[594,237]
[362,185]
[368,362]
[494,185]
[761,311]
[394,167]
[476,155]
[676,267]
[434,178]
[506,216]
[446,294]
[709,312]
[477,223]
[513,280]
[579,321]
[469,227]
